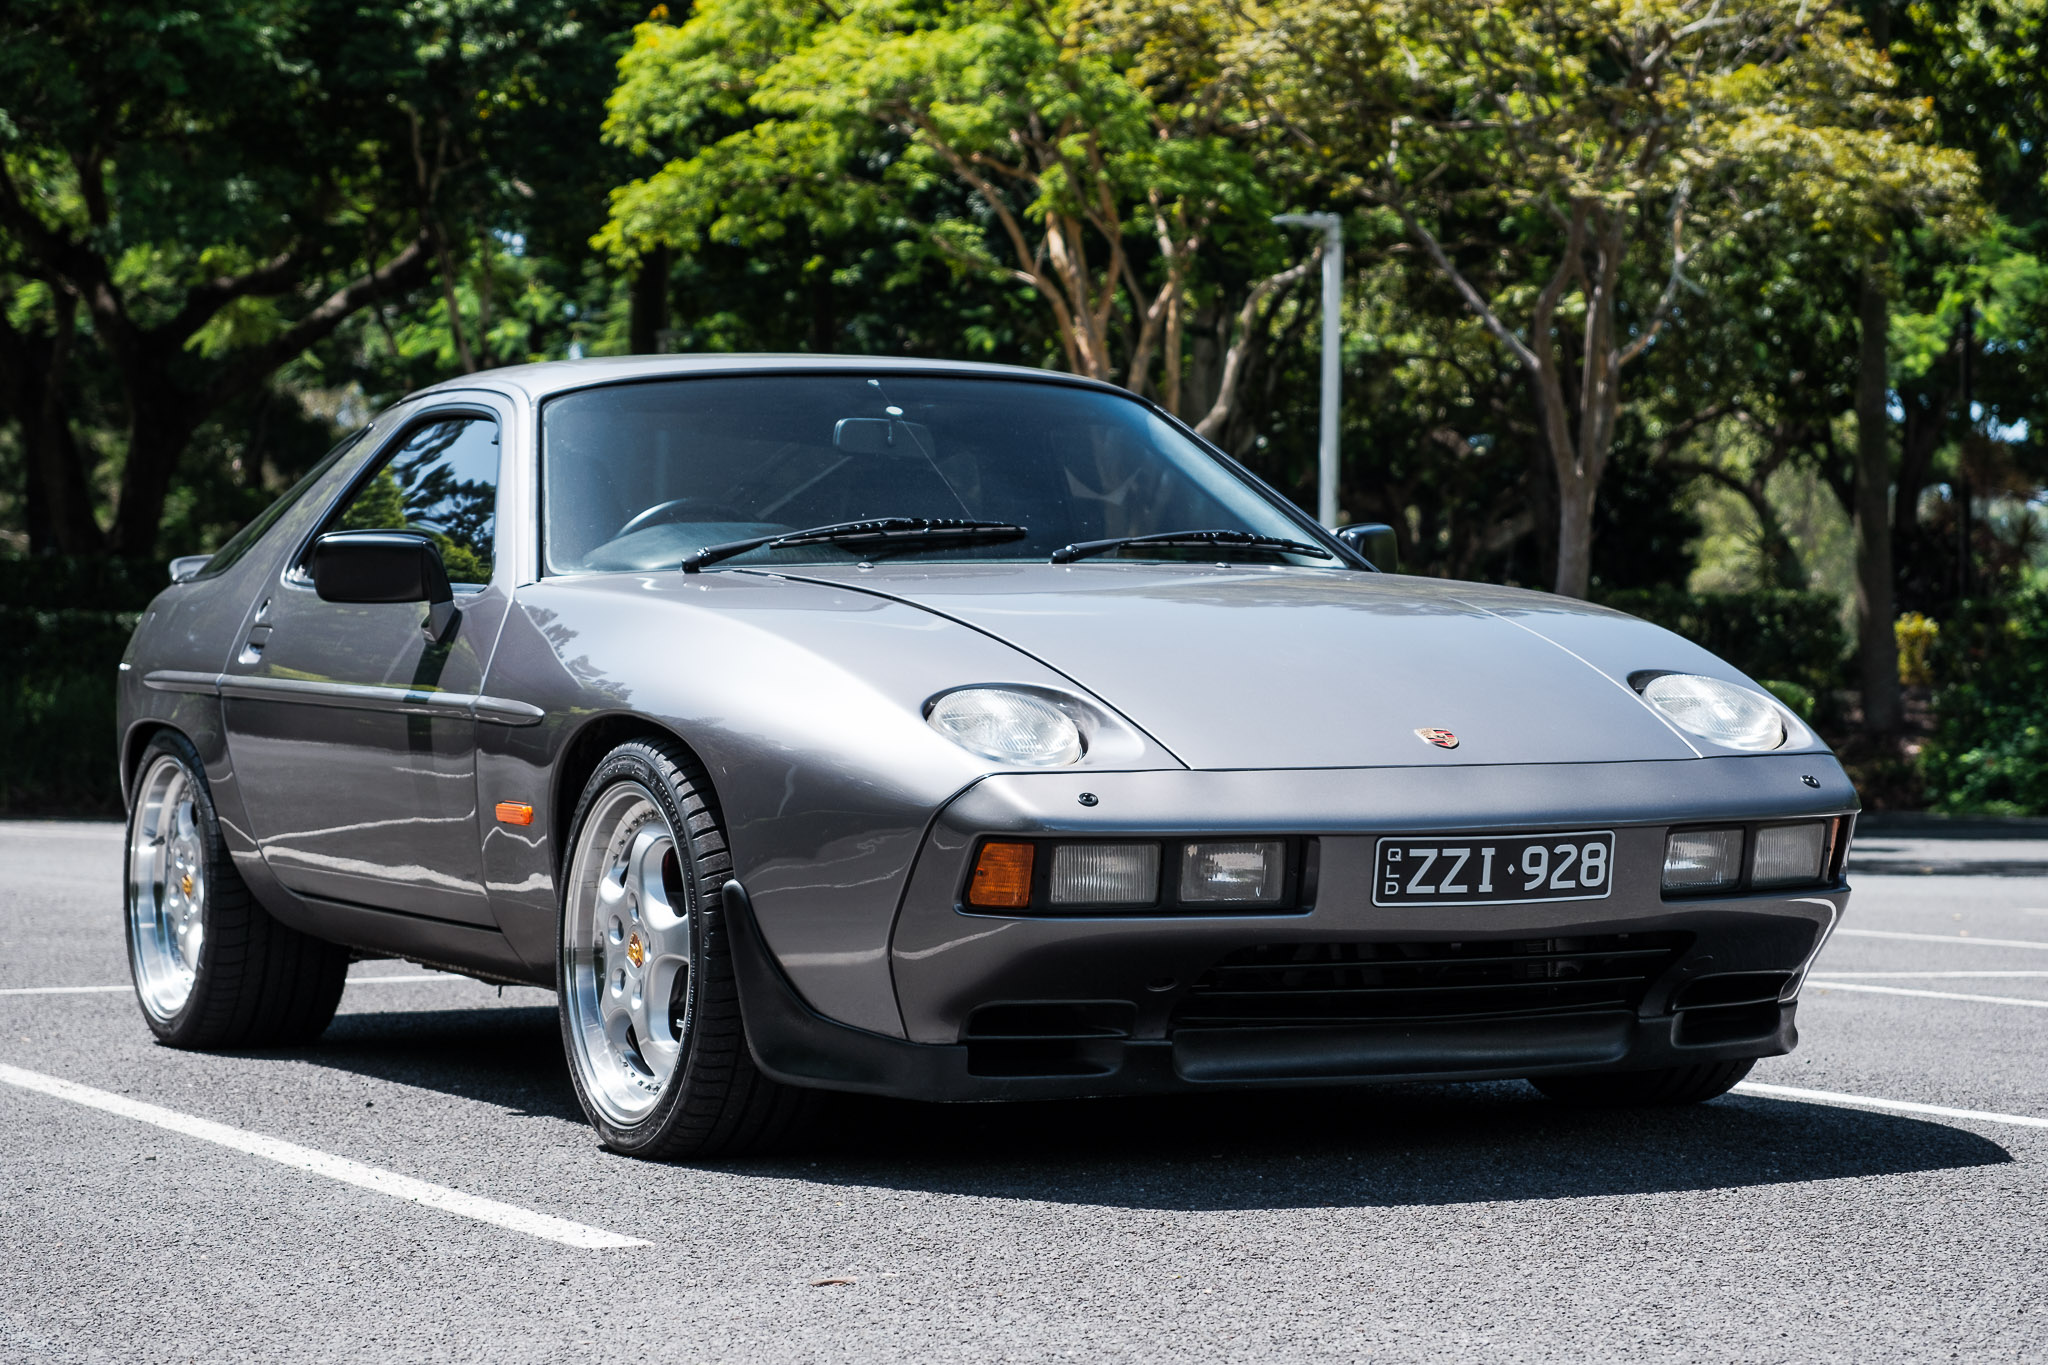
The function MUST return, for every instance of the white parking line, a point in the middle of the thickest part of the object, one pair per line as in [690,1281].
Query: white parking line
[62,990]
[542,1225]
[353,981]
[1823,983]
[1787,1092]
[1921,976]
[1943,938]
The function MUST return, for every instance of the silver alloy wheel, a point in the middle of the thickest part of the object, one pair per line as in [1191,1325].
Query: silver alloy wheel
[166,887]
[630,941]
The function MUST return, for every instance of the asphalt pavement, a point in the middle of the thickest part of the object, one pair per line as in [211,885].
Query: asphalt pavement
[415,1185]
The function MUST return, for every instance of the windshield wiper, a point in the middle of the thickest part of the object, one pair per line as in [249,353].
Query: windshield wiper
[1193,540]
[897,533]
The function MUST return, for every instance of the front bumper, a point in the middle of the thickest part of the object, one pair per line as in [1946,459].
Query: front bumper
[793,1043]
[999,1007]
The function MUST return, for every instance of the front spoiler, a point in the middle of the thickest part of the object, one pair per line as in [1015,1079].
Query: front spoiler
[796,1045]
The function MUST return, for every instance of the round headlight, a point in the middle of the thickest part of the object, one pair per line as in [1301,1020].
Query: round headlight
[1722,712]
[1010,727]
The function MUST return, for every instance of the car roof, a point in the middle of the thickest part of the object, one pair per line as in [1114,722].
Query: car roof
[551,377]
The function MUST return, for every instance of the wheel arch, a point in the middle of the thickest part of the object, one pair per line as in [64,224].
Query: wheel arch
[132,745]
[580,756]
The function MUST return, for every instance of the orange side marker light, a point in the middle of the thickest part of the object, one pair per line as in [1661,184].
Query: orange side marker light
[515,813]
[1002,877]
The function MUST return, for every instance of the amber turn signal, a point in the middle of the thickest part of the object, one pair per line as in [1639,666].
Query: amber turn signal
[515,813]
[1002,877]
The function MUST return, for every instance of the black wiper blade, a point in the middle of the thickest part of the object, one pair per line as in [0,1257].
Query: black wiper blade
[899,533]
[1192,540]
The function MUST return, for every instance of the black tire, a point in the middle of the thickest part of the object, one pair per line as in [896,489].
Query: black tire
[255,983]
[715,1102]
[1670,1085]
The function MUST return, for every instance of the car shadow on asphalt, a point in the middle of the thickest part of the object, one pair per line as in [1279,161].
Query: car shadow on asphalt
[1402,1144]
[1378,1145]
[509,1056]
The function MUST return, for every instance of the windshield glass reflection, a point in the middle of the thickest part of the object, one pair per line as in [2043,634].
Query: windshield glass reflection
[638,476]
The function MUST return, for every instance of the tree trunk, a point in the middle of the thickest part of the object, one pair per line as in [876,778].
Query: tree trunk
[59,512]
[157,433]
[647,314]
[60,473]
[1877,644]
[1575,494]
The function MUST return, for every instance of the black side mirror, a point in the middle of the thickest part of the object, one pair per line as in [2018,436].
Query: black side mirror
[384,566]
[185,566]
[1375,541]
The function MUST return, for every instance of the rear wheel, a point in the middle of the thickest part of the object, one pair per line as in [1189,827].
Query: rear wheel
[650,1012]
[1644,1089]
[211,967]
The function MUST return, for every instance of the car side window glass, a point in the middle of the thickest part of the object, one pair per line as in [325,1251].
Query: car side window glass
[441,481]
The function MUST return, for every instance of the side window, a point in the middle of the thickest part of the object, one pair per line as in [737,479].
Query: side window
[441,481]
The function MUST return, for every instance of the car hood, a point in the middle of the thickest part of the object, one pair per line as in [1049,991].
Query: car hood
[1250,667]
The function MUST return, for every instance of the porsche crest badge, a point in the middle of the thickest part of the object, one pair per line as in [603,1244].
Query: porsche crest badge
[1443,739]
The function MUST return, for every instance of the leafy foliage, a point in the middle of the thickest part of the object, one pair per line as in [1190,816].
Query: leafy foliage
[1568,167]
[1789,637]
[1989,754]
[1018,141]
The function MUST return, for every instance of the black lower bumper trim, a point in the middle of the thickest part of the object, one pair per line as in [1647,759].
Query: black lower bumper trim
[793,1043]
[1336,1051]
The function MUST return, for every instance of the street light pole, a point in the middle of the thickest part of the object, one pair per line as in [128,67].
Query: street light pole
[1333,352]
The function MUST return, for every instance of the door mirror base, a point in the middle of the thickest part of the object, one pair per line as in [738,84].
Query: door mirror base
[1375,541]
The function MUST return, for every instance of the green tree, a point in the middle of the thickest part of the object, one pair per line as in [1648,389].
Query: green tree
[1016,139]
[1565,166]
[193,197]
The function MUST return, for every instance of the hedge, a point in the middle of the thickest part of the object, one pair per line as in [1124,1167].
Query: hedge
[65,623]
[1989,754]
[1775,636]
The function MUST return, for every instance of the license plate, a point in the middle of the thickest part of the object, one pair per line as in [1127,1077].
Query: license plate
[1511,870]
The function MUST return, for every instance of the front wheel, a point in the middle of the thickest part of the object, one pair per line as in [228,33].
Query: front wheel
[1669,1085]
[649,1009]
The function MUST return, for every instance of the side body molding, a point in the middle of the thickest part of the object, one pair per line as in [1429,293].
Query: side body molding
[352,696]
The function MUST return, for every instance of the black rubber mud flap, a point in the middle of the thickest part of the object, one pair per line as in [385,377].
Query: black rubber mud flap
[796,1045]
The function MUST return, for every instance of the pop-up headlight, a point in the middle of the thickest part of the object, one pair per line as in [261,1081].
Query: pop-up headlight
[1733,716]
[1008,726]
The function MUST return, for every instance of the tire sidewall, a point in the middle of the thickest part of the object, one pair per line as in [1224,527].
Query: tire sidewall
[180,1028]
[639,763]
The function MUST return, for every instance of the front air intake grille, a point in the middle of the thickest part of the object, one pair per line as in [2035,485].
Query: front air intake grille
[1346,983]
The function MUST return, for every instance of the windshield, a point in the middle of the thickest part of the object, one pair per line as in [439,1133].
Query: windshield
[637,476]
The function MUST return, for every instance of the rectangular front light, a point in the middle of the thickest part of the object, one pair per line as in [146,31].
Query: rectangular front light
[1104,874]
[1233,874]
[1789,855]
[1703,860]
[1002,877]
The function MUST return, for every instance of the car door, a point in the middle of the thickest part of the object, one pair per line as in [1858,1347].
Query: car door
[351,731]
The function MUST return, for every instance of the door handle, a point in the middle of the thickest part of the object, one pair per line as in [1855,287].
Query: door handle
[252,648]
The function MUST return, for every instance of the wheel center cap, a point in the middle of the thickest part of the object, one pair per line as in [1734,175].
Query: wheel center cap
[185,884]
[636,951]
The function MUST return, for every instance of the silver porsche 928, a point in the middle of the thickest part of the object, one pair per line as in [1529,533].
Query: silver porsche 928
[944,731]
